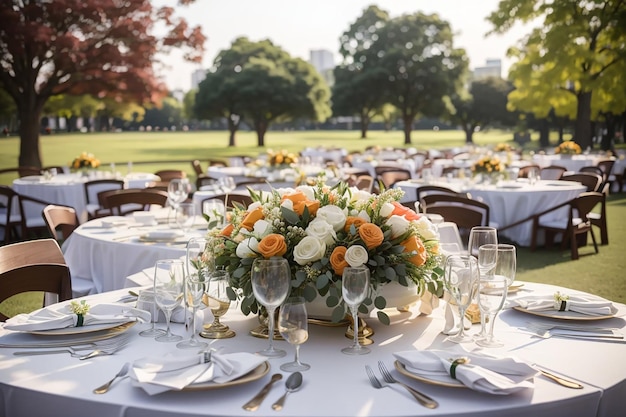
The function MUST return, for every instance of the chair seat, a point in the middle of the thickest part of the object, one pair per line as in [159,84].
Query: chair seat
[561,223]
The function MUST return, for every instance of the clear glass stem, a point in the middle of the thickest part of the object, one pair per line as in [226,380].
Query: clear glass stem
[270,327]
[483,326]
[193,324]
[492,320]
[168,315]
[297,357]
[355,326]
[462,327]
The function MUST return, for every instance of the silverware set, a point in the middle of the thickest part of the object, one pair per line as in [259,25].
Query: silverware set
[421,398]
[546,331]
[99,348]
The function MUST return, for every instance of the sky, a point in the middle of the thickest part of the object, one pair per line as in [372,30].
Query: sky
[299,26]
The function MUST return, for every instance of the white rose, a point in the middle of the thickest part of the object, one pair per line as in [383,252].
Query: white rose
[387,209]
[322,230]
[359,195]
[288,204]
[308,191]
[356,255]
[262,228]
[283,191]
[398,225]
[254,205]
[426,228]
[363,214]
[333,215]
[247,248]
[310,249]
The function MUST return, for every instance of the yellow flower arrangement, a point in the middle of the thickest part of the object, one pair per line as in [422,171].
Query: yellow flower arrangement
[568,147]
[281,158]
[321,230]
[85,160]
[488,165]
[503,147]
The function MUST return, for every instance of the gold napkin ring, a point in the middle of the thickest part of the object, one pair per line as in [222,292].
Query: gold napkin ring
[455,363]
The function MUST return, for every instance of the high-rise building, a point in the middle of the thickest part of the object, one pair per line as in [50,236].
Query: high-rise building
[324,63]
[197,77]
[492,68]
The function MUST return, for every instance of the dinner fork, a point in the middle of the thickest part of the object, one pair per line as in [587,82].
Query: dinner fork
[108,350]
[423,399]
[376,383]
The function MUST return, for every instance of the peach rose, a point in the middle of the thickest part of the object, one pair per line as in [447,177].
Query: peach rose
[338,260]
[401,210]
[228,230]
[312,205]
[272,245]
[371,235]
[251,218]
[353,220]
[415,245]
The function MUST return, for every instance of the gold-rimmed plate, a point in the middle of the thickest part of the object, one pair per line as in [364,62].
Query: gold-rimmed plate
[563,315]
[29,340]
[443,380]
[255,374]
[82,329]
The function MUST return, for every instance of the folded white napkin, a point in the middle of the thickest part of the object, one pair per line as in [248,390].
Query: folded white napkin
[490,374]
[177,370]
[164,234]
[61,317]
[583,304]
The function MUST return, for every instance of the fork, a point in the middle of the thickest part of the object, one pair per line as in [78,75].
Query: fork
[105,350]
[421,398]
[74,351]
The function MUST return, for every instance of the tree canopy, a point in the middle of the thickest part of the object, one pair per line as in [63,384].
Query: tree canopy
[106,48]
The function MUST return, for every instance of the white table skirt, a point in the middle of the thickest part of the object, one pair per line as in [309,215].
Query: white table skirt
[336,384]
[100,259]
[509,205]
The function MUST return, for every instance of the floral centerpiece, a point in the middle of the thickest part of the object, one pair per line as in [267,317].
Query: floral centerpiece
[85,161]
[503,147]
[568,147]
[281,159]
[321,230]
[488,165]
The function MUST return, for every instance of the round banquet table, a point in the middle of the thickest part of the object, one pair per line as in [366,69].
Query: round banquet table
[100,258]
[571,162]
[336,385]
[510,202]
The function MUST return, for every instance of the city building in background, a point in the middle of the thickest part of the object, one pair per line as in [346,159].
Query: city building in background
[324,62]
[492,68]
[197,77]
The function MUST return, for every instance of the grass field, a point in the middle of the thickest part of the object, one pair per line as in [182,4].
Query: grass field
[600,274]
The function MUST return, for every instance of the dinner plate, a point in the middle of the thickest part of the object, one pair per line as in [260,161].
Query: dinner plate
[80,330]
[30,340]
[257,373]
[562,315]
[441,380]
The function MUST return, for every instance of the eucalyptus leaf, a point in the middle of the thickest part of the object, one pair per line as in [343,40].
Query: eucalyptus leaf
[309,293]
[322,281]
[331,301]
[338,314]
[380,302]
[383,317]
[289,215]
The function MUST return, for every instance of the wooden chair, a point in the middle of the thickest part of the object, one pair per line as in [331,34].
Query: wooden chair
[34,265]
[122,202]
[598,219]
[606,166]
[589,180]
[25,171]
[230,200]
[364,182]
[425,190]
[462,210]
[576,224]
[552,172]
[10,220]
[388,176]
[205,180]
[197,167]
[166,175]
[92,189]
[61,221]
[523,171]
[30,212]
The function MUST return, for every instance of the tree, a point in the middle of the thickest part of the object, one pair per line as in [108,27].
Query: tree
[263,84]
[578,42]
[106,48]
[422,68]
[484,105]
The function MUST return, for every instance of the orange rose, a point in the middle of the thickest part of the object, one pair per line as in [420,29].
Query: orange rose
[272,245]
[371,235]
[401,210]
[353,220]
[251,218]
[338,260]
[296,197]
[312,205]
[228,230]
[415,245]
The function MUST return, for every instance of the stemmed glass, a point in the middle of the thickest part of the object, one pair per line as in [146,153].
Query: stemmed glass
[354,289]
[168,292]
[227,184]
[293,326]
[218,302]
[494,286]
[461,278]
[271,280]
[479,236]
[146,301]
[177,192]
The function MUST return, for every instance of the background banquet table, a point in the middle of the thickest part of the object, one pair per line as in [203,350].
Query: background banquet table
[571,162]
[509,202]
[100,258]
[68,189]
[336,384]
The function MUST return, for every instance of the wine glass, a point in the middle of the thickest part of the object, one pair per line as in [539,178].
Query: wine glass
[214,211]
[354,288]
[196,280]
[185,217]
[460,278]
[177,192]
[293,326]
[145,301]
[168,292]
[271,280]
[218,301]
[227,184]
[479,236]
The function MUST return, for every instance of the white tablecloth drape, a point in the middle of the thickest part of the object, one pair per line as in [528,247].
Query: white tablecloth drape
[336,385]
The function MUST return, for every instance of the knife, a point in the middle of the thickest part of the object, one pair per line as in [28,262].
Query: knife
[559,380]
[255,402]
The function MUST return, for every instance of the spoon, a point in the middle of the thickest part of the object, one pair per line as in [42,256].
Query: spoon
[291,384]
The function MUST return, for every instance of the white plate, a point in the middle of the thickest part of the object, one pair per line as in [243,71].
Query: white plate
[562,315]
[257,373]
[79,330]
[442,380]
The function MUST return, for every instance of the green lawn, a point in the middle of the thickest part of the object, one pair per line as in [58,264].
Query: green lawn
[600,274]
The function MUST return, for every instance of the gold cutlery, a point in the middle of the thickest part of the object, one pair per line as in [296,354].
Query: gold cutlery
[421,398]
[105,387]
[256,401]
[559,380]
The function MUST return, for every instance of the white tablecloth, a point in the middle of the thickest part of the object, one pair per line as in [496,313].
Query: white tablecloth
[509,205]
[571,162]
[101,258]
[336,385]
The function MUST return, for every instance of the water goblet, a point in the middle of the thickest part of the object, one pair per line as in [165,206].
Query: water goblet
[168,292]
[185,216]
[214,211]
[195,287]
[354,289]
[218,301]
[460,278]
[177,192]
[491,296]
[271,281]
[145,301]
[293,326]
[479,236]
